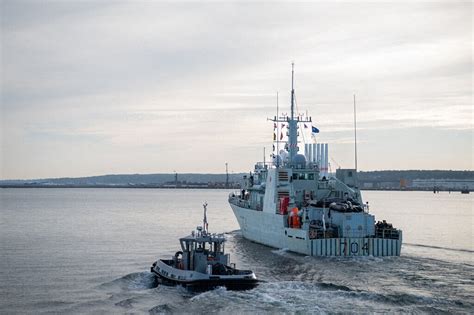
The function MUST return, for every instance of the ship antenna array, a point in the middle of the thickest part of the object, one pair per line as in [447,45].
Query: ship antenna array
[291,121]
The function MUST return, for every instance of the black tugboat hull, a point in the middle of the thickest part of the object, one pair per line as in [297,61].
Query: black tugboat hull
[210,284]
[235,285]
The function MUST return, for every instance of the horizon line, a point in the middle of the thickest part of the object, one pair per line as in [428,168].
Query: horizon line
[233,173]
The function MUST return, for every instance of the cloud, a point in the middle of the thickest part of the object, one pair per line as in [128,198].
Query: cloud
[159,78]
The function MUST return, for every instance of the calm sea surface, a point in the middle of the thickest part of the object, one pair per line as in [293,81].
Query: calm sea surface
[90,251]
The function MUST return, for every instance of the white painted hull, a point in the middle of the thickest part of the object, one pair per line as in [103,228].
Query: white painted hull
[268,229]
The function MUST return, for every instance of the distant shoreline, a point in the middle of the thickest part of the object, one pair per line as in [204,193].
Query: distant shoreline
[109,186]
[203,187]
[409,180]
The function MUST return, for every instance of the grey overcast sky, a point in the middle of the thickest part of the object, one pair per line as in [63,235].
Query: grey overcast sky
[101,87]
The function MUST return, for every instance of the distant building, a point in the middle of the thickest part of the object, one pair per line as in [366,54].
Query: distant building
[444,184]
[379,185]
[389,185]
[403,183]
[368,185]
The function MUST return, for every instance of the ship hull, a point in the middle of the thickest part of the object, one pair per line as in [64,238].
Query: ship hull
[269,229]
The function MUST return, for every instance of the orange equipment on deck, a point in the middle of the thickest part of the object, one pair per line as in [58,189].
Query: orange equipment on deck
[294,219]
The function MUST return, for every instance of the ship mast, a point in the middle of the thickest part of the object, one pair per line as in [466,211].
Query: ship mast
[292,123]
[292,91]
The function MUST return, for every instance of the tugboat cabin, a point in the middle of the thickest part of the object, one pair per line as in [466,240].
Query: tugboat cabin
[201,249]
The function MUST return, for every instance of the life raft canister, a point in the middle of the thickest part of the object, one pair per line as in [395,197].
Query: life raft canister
[284,202]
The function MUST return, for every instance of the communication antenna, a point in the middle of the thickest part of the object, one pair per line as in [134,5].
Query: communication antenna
[226,175]
[278,136]
[355,134]
[292,90]
[205,224]
[263,156]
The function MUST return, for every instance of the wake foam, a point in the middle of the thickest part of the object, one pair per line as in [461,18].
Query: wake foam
[281,251]
[441,247]
[134,281]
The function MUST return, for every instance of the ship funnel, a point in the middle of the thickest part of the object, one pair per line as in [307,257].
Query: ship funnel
[326,159]
[314,153]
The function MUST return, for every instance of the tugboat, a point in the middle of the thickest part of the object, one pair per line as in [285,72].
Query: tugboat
[201,264]
[303,207]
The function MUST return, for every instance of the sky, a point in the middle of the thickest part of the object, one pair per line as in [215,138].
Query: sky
[114,87]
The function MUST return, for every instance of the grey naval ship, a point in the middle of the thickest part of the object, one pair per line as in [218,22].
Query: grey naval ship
[294,203]
[202,264]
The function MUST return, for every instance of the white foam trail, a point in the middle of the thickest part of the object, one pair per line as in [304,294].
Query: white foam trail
[281,251]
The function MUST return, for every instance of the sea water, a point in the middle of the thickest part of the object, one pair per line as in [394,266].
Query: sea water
[90,251]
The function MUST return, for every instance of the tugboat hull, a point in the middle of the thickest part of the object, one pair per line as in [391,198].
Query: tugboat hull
[204,285]
[197,281]
[275,234]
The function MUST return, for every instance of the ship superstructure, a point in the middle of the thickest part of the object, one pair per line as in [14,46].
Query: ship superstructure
[294,202]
